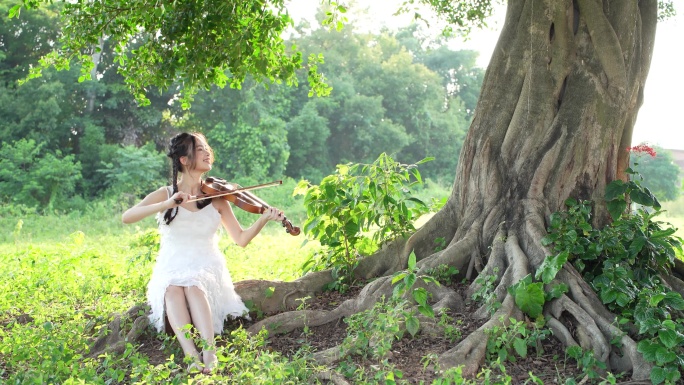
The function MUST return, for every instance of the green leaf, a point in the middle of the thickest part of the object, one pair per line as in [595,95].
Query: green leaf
[530,299]
[15,11]
[642,198]
[669,338]
[664,356]
[398,277]
[409,280]
[615,189]
[648,349]
[570,202]
[520,346]
[608,296]
[269,292]
[655,299]
[420,295]
[674,300]
[657,375]
[551,266]
[636,245]
[557,291]
[412,261]
[426,310]
[616,208]
[547,240]
[412,325]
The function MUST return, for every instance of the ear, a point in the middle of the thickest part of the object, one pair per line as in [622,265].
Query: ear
[184,160]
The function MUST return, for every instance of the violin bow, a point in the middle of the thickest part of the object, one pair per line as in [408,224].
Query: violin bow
[255,187]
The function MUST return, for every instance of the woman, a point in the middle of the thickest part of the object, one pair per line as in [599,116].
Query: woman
[190,283]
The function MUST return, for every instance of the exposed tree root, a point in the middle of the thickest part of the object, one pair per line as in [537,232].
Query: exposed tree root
[366,299]
[333,377]
[276,296]
[471,351]
[113,337]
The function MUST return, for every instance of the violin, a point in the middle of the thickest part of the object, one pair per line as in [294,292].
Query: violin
[241,197]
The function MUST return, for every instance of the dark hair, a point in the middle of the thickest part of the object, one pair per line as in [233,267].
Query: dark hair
[182,145]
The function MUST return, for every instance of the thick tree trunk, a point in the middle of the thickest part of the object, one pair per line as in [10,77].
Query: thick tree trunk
[554,119]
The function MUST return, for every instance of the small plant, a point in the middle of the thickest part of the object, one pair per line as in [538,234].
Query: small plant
[440,244]
[372,333]
[590,366]
[404,281]
[452,332]
[485,292]
[507,341]
[624,262]
[357,209]
[444,274]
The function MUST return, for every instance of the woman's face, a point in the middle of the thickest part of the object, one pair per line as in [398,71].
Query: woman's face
[203,156]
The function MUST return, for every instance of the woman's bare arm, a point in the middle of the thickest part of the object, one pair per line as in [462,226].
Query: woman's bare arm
[241,236]
[153,203]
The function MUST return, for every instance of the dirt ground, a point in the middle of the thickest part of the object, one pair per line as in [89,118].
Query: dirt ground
[408,353]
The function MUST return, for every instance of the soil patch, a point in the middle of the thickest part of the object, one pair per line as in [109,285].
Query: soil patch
[409,355]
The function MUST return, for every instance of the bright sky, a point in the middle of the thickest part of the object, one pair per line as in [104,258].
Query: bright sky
[659,121]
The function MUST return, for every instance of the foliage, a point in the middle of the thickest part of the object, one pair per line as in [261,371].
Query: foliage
[371,333]
[391,94]
[452,330]
[358,199]
[623,263]
[403,282]
[591,367]
[485,291]
[529,296]
[35,177]
[461,16]
[513,338]
[168,47]
[394,94]
[134,170]
[444,274]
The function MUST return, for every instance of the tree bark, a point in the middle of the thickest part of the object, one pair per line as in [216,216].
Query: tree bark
[554,120]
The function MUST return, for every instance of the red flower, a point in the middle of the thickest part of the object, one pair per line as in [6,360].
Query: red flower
[642,149]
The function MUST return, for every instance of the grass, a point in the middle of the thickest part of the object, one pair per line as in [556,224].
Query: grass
[65,274]
[674,214]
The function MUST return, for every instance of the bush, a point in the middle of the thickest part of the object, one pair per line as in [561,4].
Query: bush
[30,176]
[134,170]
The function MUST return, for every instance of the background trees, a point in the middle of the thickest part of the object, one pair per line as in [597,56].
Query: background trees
[660,174]
[393,92]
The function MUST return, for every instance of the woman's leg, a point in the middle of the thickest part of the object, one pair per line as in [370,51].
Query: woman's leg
[203,321]
[178,315]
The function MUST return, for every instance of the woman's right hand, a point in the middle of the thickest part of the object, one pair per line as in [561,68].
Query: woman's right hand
[175,198]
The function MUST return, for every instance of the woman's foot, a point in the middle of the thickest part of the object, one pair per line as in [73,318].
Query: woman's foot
[210,360]
[196,367]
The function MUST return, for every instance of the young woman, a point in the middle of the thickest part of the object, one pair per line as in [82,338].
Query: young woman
[190,283]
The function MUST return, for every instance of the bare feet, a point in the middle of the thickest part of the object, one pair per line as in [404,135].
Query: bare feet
[196,367]
[210,361]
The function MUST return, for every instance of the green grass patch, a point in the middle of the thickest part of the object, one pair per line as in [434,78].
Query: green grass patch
[64,275]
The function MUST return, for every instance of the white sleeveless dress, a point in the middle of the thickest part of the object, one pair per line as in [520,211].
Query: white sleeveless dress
[189,256]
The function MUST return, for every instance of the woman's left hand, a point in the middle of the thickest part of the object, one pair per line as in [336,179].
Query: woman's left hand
[273,214]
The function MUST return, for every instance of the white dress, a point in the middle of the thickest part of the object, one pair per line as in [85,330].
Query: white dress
[189,256]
